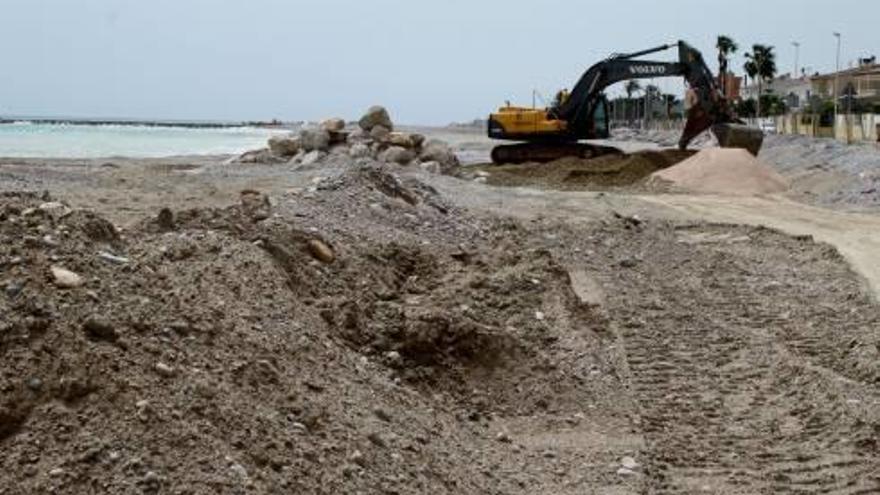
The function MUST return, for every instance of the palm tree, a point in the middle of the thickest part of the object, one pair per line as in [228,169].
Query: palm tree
[761,67]
[652,93]
[726,47]
[632,86]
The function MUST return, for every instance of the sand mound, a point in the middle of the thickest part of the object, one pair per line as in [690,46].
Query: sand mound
[722,170]
[578,174]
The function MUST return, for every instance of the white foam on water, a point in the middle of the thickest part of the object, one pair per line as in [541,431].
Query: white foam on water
[22,139]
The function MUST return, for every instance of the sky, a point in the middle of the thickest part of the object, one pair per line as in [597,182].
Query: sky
[427,61]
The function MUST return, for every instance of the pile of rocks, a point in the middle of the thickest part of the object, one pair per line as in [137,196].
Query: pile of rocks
[373,138]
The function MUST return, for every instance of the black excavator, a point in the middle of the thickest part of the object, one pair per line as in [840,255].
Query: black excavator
[548,134]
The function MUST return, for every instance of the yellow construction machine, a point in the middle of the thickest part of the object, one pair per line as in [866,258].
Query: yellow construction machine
[546,134]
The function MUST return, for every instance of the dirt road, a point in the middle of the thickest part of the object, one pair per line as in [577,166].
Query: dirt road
[855,235]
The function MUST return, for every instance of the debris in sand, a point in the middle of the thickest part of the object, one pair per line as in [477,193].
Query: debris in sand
[722,171]
[66,279]
[321,251]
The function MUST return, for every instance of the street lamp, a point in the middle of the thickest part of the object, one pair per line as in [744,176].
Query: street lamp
[836,84]
[797,56]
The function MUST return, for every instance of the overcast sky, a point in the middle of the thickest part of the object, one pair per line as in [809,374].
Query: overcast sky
[428,61]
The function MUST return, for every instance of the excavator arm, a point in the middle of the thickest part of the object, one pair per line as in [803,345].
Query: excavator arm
[710,108]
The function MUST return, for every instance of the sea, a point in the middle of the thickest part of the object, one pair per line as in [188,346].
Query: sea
[24,138]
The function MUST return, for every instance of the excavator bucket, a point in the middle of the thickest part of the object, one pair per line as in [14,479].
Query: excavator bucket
[739,136]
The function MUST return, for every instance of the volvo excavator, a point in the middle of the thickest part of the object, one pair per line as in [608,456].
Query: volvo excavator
[547,134]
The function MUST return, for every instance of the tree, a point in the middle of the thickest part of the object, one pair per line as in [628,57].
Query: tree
[726,47]
[652,94]
[761,67]
[632,87]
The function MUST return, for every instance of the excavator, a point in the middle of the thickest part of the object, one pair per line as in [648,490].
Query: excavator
[547,134]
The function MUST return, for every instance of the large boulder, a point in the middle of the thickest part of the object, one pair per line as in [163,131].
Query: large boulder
[359,136]
[380,133]
[376,115]
[333,125]
[359,150]
[398,155]
[404,140]
[314,139]
[284,145]
[440,152]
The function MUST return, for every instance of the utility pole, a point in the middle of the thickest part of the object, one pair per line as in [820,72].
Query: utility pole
[836,84]
[797,56]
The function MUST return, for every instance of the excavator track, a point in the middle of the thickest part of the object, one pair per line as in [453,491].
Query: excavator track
[547,152]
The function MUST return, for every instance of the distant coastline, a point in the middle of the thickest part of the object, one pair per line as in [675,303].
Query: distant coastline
[272,124]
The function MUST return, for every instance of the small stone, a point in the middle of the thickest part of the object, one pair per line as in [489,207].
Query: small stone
[358,458]
[55,209]
[539,316]
[165,219]
[625,472]
[382,414]
[628,462]
[377,440]
[99,329]
[628,263]
[34,384]
[66,279]
[164,370]
[321,251]
[312,157]
[333,124]
[56,472]
[13,289]
[112,258]
[503,437]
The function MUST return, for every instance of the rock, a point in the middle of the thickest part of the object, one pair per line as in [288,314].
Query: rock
[398,155]
[98,329]
[284,145]
[112,258]
[55,209]
[13,289]
[358,458]
[338,137]
[35,384]
[314,139]
[321,251]
[628,263]
[417,139]
[165,220]
[382,414]
[376,116]
[431,167]
[377,440]
[380,133]
[333,124]
[539,315]
[164,370]
[255,205]
[440,152]
[359,150]
[503,437]
[66,279]
[312,157]
[625,472]
[263,155]
[358,135]
[628,462]
[402,139]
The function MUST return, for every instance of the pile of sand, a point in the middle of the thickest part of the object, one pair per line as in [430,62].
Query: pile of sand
[722,170]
